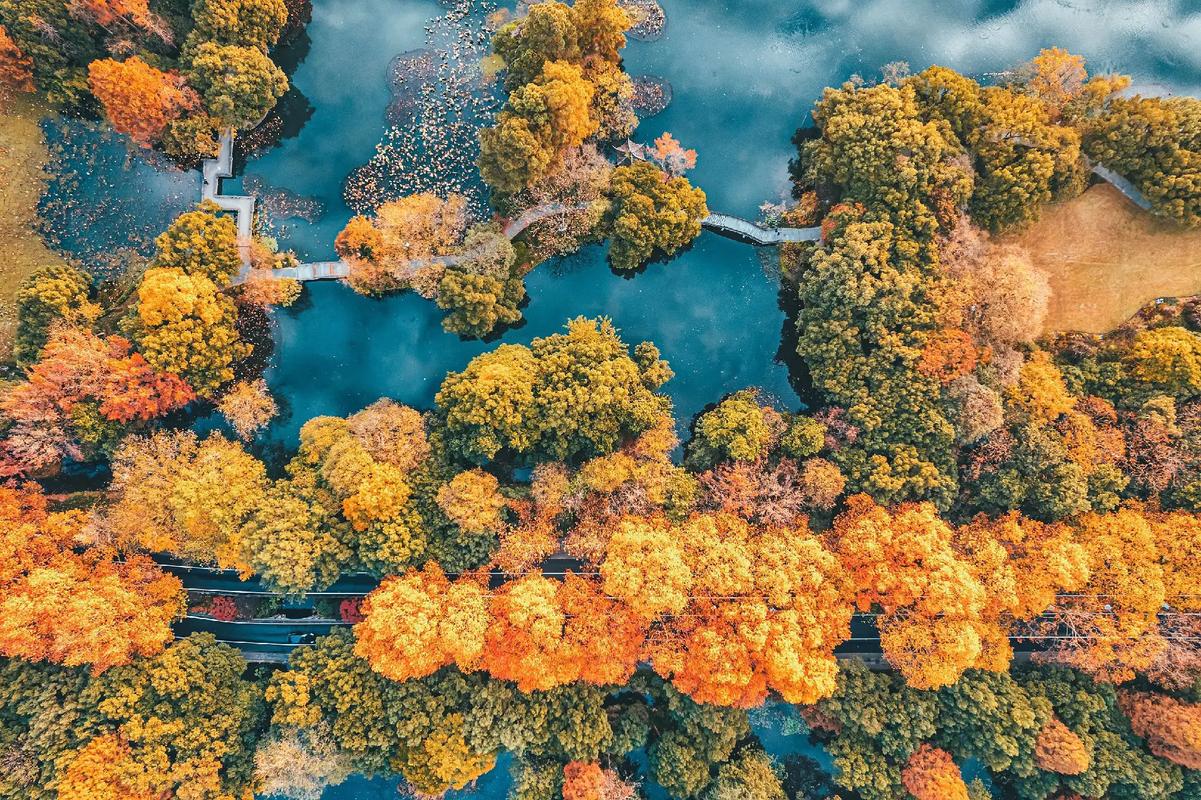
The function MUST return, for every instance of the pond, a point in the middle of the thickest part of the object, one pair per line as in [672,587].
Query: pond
[744,74]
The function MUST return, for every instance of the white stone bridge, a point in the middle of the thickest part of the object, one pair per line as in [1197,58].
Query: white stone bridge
[723,224]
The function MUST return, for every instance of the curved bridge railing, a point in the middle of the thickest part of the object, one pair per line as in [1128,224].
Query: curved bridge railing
[727,225]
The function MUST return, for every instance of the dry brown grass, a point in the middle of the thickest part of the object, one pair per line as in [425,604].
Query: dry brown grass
[23,155]
[1106,259]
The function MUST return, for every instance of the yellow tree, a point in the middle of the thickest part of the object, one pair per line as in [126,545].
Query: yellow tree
[1022,564]
[173,493]
[384,253]
[557,105]
[645,567]
[104,769]
[379,495]
[1110,627]
[183,325]
[391,433]
[1056,77]
[1040,393]
[765,611]
[902,562]
[473,501]
[248,407]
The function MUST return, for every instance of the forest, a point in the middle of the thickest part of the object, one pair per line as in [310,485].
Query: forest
[564,583]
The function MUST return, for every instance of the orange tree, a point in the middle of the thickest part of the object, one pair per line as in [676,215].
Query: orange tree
[138,99]
[71,604]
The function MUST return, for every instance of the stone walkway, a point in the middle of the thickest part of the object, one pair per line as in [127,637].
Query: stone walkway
[1122,185]
[242,206]
[723,224]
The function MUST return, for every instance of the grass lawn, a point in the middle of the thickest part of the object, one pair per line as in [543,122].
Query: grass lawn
[1107,258]
[22,156]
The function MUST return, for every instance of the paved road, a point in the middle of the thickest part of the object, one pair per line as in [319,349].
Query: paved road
[271,640]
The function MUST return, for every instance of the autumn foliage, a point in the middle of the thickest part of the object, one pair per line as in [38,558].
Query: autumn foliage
[1171,727]
[932,775]
[73,605]
[82,385]
[1058,749]
[138,99]
[16,68]
[107,13]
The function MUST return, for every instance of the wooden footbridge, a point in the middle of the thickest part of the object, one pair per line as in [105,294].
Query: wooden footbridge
[722,224]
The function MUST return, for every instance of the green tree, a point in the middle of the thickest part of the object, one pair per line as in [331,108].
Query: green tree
[881,722]
[567,395]
[1022,160]
[651,213]
[567,723]
[243,23]
[878,151]
[804,437]
[41,721]
[1120,767]
[804,779]
[294,543]
[50,295]
[691,739]
[512,155]
[201,242]
[862,328]
[416,727]
[59,60]
[478,304]
[866,313]
[1156,143]
[192,137]
[990,717]
[547,33]
[483,290]
[750,775]
[536,780]
[1037,478]
[736,429]
[239,84]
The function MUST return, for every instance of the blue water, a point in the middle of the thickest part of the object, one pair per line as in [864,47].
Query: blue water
[106,200]
[744,75]
[365,348]
[493,786]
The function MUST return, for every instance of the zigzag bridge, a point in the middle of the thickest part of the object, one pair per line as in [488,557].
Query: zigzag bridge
[732,227]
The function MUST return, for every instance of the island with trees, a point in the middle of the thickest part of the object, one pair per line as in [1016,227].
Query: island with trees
[968,566]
